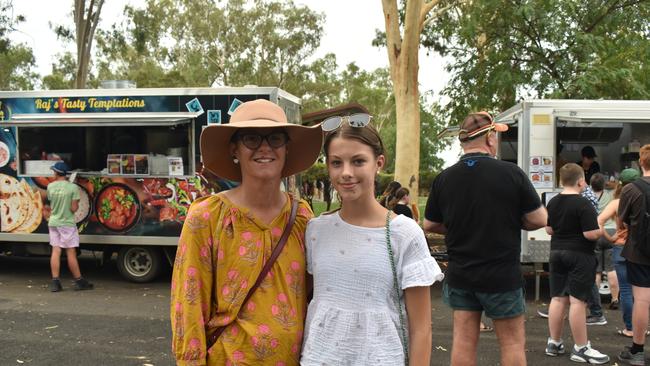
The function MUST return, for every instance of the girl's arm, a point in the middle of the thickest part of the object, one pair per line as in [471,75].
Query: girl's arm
[608,213]
[418,310]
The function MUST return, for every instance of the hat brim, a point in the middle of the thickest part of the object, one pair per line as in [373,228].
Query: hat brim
[304,146]
[464,136]
[500,127]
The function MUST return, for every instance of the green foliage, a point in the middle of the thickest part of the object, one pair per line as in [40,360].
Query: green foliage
[426,179]
[204,43]
[505,50]
[16,60]
[63,73]
[382,181]
[318,171]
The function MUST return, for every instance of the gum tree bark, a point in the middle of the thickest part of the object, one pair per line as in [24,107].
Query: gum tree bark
[403,49]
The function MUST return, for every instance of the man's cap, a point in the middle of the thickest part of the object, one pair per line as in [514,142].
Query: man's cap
[588,152]
[60,167]
[478,123]
[628,175]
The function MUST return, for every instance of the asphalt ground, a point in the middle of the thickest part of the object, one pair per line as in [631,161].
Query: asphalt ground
[122,323]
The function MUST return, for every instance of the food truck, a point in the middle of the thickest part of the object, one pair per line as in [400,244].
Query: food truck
[544,134]
[134,154]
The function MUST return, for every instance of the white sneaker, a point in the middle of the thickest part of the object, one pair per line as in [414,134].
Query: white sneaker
[587,354]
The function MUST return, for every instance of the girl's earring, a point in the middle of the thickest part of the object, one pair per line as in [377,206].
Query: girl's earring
[235,160]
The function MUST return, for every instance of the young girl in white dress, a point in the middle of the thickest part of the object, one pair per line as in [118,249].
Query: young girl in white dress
[371,301]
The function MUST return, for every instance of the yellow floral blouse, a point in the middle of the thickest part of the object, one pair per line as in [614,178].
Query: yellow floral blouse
[221,251]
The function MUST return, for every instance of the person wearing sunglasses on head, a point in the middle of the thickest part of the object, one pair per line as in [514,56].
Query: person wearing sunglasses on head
[481,204]
[239,286]
[372,269]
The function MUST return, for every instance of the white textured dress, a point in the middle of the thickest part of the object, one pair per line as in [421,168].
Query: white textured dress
[353,318]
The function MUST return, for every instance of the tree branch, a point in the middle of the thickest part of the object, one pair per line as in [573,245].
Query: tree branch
[426,8]
[435,15]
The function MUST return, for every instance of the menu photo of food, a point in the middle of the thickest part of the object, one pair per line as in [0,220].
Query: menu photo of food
[4,154]
[21,206]
[535,162]
[117,207]
[542,179]
[113,163]
[541,163]
[141,164]
[128,164]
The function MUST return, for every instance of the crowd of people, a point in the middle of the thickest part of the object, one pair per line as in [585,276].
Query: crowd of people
[258,280]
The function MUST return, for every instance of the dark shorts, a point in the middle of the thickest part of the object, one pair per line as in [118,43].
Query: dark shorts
[604,257]
[638,274]
[498,305]
[572,274]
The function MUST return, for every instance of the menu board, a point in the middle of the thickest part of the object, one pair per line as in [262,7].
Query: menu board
[540,170]
[128,164]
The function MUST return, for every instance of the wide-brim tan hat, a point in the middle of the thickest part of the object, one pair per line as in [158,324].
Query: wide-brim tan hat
[303,147]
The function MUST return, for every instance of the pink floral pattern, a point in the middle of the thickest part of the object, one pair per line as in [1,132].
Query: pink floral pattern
[283,312]
[221,250]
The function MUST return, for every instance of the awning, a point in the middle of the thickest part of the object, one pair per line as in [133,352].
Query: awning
[596,115]
[99,119]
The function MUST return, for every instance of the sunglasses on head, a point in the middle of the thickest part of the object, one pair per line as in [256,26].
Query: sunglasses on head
[354,120]
[254,140]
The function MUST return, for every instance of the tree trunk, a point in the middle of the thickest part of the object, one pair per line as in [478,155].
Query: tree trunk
[86,21]
[407,147]
[404,67]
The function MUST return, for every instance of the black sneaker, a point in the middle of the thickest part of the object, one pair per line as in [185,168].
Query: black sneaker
[596,320]
[82,284]
[55,286]
[629,358]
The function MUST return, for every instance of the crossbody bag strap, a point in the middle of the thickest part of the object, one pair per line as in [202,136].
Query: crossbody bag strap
[265,270]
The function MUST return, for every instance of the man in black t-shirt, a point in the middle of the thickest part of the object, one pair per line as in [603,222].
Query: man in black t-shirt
[587,162]
[631,210]
[573,226]
[481,204]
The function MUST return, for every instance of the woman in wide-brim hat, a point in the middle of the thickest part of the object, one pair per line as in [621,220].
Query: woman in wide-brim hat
[227,238]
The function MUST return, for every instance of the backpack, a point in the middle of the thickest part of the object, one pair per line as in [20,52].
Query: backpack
[643,230]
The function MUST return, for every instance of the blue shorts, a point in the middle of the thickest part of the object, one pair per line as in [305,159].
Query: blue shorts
[497,305]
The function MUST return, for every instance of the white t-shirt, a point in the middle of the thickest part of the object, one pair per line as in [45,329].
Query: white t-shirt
[353,318]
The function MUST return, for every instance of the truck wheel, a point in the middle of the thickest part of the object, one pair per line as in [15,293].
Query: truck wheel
[139,264]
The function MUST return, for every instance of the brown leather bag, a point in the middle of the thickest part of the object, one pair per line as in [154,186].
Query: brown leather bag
[265,270]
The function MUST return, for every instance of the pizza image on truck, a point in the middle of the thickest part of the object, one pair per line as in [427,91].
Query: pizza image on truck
[134,155]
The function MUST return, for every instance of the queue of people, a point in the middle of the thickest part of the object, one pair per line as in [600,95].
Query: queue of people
[258,280]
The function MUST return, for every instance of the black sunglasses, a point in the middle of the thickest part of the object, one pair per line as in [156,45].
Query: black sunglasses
[254,140]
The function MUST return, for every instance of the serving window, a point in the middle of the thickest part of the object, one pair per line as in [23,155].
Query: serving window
[88,149]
